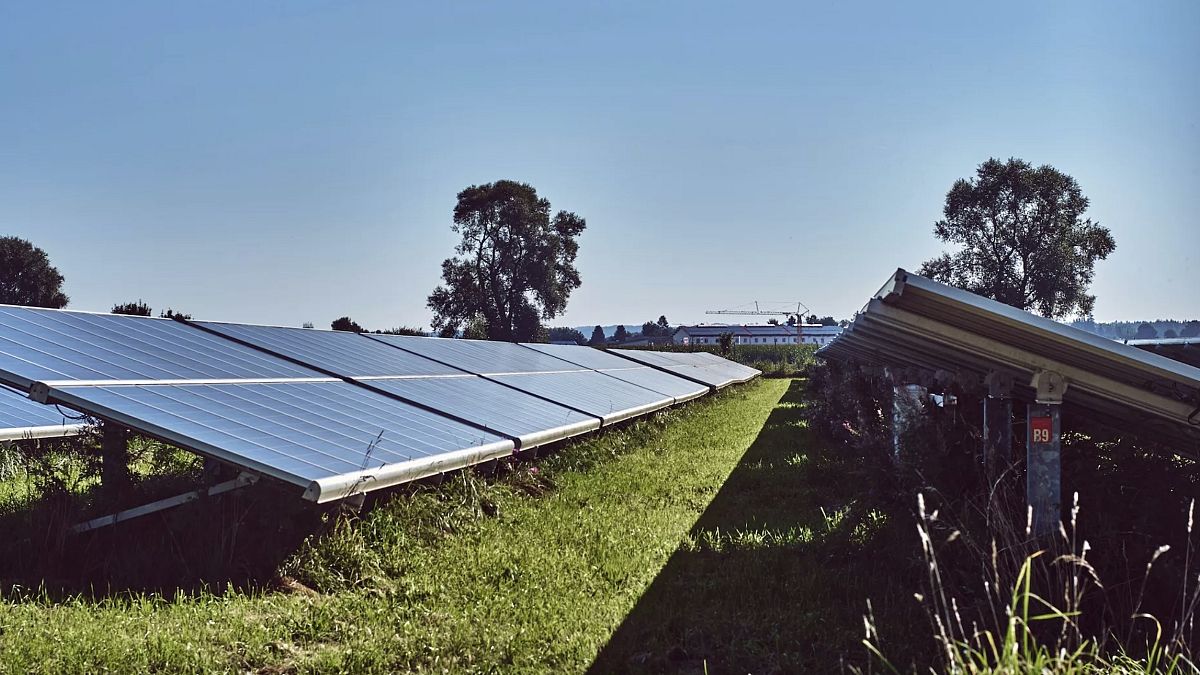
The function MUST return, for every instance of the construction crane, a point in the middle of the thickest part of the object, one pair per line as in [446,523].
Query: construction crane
[757,311]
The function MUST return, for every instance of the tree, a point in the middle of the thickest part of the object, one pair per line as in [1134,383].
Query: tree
[138,308]
[650,329]
[725,343]
[1145,332]
[1190,329]
[347,324]
[664,327]
[1023,239]
[791,320]
[1170,334]
[515,265]
[172,314]
[597,336]
[26,276]
[621,335]
[567,335]
[773,322]
[403,330]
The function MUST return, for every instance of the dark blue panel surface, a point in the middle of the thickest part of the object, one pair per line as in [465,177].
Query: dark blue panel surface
[43,344]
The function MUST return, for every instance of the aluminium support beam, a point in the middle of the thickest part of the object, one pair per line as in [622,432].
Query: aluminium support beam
[1043,470]
[243,479]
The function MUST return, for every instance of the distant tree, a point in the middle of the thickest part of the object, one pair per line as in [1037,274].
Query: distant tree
[811,319]
[1170,334]
[138,308]
[1145,331]
[1190,329]
[725,343]
[172,314]
[664,326]
[307,324]
[621,334]
[597,336]
[567,335]
[515,264]
[26,276]
[1022,237]
[346,324]
[791,321]
[404,330]
[827,321]
[773,322]
[650,329]
[476,328]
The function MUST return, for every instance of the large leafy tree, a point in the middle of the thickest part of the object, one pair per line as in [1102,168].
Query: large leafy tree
[515,265]
[26,276]
[347,324]
[1022,238]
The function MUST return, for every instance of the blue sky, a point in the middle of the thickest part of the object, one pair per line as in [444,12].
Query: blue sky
[287,162]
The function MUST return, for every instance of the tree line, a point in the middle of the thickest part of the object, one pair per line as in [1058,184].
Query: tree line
[1019,234]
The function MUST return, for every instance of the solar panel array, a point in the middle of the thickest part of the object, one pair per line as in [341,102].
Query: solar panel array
[332,412]
[916,322]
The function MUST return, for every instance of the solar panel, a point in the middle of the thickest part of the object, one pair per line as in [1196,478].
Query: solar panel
[345,353]
[428,383]
[686,365]
[531,420]
[45,344]
[480,356]
[595,393]
[329,438]
[538,373]
[623,369]
[23,419]
[914,321]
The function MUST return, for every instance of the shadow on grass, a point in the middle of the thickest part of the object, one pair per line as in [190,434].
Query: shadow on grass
[776,573]
[234,540]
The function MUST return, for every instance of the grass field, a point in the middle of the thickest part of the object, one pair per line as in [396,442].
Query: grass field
[708,537]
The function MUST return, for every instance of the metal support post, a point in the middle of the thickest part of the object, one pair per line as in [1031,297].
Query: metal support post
[1043,471]
[997,420]
[114,459]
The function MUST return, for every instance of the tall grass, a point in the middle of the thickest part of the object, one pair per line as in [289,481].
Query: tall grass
[1030,621]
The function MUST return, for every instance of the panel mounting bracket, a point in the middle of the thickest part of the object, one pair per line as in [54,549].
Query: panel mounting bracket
[1050,386]
[244,479]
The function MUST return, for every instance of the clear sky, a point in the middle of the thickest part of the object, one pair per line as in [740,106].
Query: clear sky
[283,162]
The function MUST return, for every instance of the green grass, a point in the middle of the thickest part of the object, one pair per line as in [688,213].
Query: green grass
[703,536]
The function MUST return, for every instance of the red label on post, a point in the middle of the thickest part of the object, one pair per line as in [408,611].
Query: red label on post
[1041,428]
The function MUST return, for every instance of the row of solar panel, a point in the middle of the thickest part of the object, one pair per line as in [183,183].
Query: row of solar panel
[331,411]
[916,322]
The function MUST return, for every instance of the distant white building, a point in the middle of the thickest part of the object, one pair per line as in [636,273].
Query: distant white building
[769,334]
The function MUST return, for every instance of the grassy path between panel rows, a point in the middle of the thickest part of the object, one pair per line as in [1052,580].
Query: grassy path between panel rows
[635,550]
